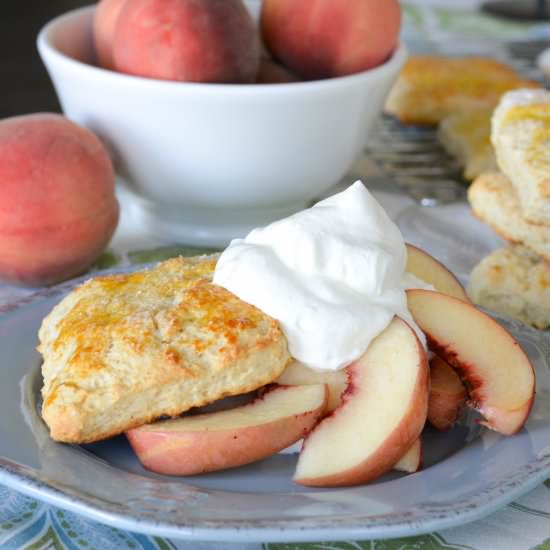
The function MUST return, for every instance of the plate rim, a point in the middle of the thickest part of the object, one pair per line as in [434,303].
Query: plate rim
[280,531]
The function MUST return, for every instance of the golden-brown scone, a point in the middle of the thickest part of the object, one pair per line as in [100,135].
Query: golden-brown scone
[467,136]
[514,282]
[493,199]
[521,138]
[122,350]
[431,87]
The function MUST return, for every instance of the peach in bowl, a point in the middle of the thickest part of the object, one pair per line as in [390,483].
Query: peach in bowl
[208,162]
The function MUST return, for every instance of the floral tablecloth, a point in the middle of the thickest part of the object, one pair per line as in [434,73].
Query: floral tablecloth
[522,525]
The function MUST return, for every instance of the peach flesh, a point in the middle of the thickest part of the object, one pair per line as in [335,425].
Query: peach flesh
[447,395]
[497,373]
[382,413]
[212,441]
[432,271]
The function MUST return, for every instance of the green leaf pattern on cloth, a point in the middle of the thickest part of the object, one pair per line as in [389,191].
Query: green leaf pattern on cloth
[432,541]
[425,20]
[31,525]
[107,260]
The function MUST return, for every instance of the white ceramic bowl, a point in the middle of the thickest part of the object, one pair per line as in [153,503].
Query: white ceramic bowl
[212,161]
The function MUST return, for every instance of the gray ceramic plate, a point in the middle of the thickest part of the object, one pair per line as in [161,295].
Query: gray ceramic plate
[469,472]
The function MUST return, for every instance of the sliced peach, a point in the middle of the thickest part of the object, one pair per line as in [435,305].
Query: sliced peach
[411,461]
[382,413]
[207,442]
[297,374]
[447,395]
[432,271]
[496,371]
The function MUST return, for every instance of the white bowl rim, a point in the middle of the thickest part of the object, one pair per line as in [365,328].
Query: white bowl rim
[46,49]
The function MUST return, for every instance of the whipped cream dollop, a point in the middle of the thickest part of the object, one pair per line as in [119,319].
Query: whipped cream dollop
[332,275]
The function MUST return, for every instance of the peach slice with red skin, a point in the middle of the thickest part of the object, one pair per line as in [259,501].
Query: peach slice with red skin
[447,395]
[494,368]
[207,442]
[432,271]
[382,413]
[297,373]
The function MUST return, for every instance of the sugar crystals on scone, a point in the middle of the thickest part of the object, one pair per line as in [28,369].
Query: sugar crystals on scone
[521,138]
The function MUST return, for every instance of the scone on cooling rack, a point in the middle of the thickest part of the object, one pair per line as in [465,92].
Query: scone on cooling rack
[467,136]
[494,200]
[123,350]
[515,282]
[430,88]
[521,138]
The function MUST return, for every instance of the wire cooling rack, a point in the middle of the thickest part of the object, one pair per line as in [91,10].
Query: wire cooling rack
[411,158]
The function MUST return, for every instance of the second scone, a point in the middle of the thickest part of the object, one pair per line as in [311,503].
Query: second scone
[514,282]
[467,136]
[494,200]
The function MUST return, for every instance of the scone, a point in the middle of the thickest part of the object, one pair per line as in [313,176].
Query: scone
[430,87]
[467,136]
[521,138]
[514,282]
[123,350]
[494,200]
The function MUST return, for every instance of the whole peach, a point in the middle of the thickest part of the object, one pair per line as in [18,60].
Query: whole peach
[57,204]
[105,19]
[327,38]
[187,40]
